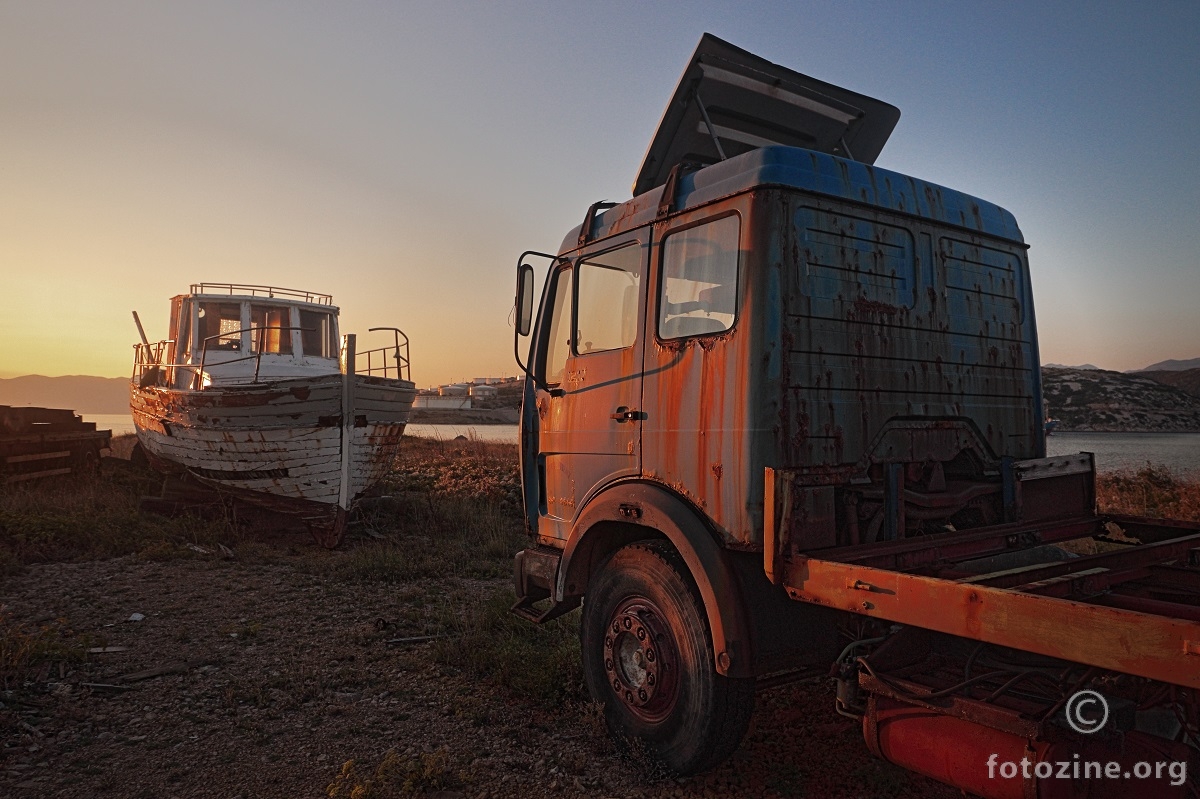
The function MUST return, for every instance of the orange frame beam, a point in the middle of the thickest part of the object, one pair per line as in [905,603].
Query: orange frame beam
[1141,644]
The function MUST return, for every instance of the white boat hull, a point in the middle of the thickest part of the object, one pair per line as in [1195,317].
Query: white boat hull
[279,443]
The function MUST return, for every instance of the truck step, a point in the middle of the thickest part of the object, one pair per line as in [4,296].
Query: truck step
[527,609]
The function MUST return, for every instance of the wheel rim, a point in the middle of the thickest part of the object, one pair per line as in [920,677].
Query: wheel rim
[641,660]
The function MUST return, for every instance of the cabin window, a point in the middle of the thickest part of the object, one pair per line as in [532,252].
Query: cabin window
[220,326]
[183,338]
[607,306]
[558,344]
[269,329]
[316,334]
[699,280]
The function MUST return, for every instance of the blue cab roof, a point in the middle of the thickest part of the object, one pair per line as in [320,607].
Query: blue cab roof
[819,173]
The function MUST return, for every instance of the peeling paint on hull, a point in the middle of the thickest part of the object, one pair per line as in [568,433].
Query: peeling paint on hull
[276,443]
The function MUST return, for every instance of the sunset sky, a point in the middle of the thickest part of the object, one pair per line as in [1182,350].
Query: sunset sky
[400,155]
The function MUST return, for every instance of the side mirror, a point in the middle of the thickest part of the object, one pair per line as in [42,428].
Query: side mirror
[523,305]
[524,299]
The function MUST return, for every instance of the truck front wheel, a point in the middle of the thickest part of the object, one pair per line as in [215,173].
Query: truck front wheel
[648,659]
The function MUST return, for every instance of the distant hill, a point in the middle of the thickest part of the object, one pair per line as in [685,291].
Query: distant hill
[1172,366]
[1064,366]
[1187,379]
[80,393]
[1097,399]
[1081,397]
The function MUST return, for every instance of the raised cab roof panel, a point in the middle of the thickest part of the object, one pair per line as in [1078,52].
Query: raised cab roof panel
[730,101]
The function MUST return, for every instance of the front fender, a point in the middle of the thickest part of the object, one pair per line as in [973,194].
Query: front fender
[632,511]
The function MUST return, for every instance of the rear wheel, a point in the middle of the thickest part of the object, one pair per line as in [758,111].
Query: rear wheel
[648,658]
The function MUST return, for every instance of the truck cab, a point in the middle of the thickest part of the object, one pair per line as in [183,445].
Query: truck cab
[774,354]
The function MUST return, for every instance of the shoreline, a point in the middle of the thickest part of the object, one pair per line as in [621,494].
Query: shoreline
[469,416]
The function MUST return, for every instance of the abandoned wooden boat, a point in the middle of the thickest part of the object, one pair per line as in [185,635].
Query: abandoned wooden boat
[253,395]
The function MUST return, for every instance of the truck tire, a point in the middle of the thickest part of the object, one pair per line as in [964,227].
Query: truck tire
[648,659]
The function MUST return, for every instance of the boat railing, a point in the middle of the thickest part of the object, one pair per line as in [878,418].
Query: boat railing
[390,361]
[256,356]
[149,368]
[252,290]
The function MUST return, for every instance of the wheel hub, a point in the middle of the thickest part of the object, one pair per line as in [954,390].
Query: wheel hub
[639,659]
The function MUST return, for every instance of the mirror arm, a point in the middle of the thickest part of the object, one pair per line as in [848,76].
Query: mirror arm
[540,384]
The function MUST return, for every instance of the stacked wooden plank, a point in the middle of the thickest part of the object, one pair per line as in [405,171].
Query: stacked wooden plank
[44,442]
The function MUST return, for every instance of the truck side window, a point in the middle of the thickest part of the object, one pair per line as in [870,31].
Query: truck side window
[558,345]
[606,314]
[699,282]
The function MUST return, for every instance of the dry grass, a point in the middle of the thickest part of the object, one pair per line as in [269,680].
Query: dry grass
[83,517]
[449,519]
[26,645]
[1152,491]
[451,510]
[400,776]
[122,446]
[536,662]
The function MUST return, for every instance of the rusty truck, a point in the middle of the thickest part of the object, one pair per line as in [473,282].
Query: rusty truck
[782,415]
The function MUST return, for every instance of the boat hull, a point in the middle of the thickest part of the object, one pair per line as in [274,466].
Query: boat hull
[277,443]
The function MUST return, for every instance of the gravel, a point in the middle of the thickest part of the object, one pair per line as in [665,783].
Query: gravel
[276,680]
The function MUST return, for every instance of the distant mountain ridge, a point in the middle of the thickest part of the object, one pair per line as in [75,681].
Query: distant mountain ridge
[1081,397]
[1172,366]
[80,393]
[1186,379]
[1100,400]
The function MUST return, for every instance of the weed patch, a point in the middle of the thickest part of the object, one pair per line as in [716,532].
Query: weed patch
[399,775]
[537,662]
[452,509]
[25,647]
[94,516]
[438,536]
[1152,491]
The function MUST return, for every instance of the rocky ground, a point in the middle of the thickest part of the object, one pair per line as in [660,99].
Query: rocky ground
[283,683]
[229,661]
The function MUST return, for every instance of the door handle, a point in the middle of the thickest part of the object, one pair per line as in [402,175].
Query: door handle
[624,414]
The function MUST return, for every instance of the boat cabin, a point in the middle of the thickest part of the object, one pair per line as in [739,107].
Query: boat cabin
[232,333]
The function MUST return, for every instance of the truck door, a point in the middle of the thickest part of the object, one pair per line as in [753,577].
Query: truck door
[697,393]
[589,417]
